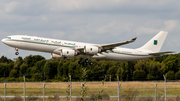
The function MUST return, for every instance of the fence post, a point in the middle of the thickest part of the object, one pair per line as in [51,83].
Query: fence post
[4,91]
[164,87]
[43,90]
[70,86]
[24,88]
[119,92]
[155,84]
[119,85]
[110,78]
[118,88]
[82,90]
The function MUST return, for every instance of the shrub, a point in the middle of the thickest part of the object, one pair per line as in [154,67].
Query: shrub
[178,98]
[105,97]
[131,94]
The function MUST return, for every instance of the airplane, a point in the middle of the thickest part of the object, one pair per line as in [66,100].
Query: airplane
[60,49]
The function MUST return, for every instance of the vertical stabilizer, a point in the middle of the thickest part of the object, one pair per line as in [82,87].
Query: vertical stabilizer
[155,44]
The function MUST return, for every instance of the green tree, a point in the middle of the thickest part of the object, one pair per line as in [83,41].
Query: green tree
[31,60]
[37,77]
[141,65]
[60,70]
[50,69]
[160,58]
[139,75]
[39,67]
[172,62]
[177,75]
[112,71]
[23,69]
[151,77]
[120,73]
[4,70]
[16,67]
[155,70]
[4,59]
[170,75]
[31,71]
[35,67]
[14,73]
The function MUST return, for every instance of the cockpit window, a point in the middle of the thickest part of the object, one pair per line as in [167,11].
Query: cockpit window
[8,37]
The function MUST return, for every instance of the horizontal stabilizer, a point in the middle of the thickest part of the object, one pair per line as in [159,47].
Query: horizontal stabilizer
[160,53]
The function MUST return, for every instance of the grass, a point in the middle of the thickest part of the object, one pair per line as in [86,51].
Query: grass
[110,88]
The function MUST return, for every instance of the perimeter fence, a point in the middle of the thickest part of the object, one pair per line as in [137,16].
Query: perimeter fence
[90,91]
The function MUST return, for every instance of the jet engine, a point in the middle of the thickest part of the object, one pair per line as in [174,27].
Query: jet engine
[91,50]
[68,53]
[56,56]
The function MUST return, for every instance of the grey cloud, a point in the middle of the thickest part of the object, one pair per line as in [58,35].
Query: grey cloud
[40,7]
[92,21]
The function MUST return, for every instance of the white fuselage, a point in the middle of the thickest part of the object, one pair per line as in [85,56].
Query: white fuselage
[48,45]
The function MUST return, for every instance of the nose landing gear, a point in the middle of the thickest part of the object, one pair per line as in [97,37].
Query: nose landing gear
[17,53]
[84,63]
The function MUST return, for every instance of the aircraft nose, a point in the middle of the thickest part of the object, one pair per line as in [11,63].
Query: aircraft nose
[3,40]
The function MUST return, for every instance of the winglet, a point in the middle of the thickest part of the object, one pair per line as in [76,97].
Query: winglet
[134,39]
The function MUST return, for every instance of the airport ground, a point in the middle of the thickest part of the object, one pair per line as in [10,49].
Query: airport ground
[143,90]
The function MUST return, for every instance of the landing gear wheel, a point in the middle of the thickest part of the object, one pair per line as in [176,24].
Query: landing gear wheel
[84,64]
[90,62]
[80,61]
[17,53]
[87,61]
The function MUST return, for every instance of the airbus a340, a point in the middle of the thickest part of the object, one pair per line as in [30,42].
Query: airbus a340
[68,49]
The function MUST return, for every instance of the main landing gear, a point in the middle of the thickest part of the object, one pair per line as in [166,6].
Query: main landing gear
[86,62]
[17,53]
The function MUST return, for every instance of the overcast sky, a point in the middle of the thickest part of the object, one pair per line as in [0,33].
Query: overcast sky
[92,21]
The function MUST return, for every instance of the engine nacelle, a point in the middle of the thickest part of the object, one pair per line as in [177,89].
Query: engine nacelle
[68,53]
[91,50]
[56,56]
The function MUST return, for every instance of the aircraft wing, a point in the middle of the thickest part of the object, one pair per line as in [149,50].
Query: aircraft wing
[113,45]
[160,53]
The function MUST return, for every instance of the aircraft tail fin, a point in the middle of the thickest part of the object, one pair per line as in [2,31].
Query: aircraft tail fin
[155,44]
